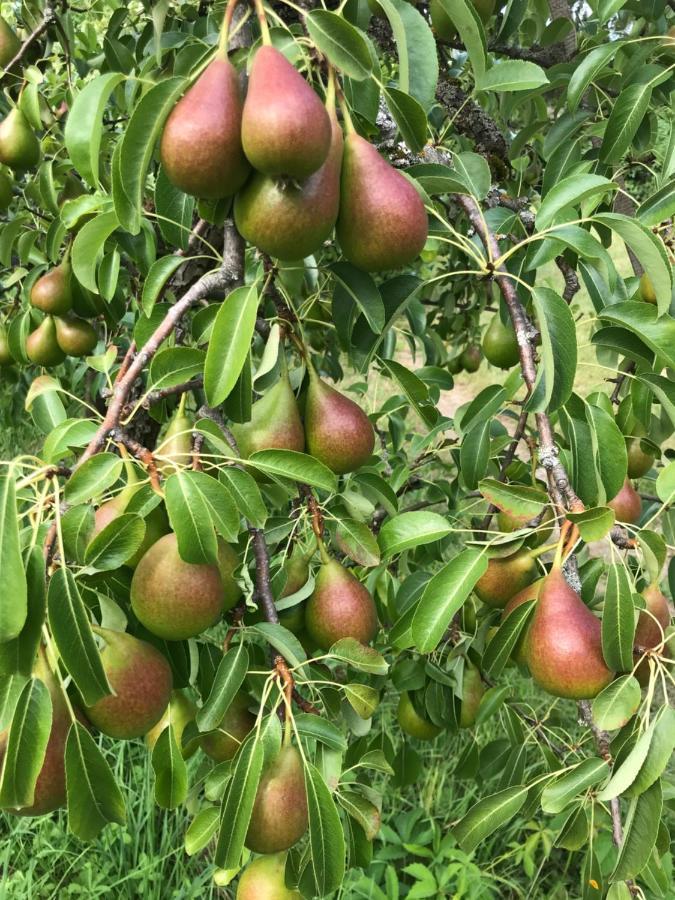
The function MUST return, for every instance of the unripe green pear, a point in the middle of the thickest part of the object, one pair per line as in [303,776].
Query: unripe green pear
[175,450]
[19,147]
[5,191]
[505,577]
[647,292]
[279,817]
[627,504]
[471,357]
[75,336]
[179,713]
[544,526]
[412,722]
[264,879]
[6,358]
[472,693]
[639,462]
[339,607]
[142,681]
[9,44]
[500,344]
[455,365]
[651,626]
[41,345]
[52,292]
[223,743]
[275,422]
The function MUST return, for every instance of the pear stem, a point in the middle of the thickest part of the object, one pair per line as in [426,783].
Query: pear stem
[325,556]
[539,551]
[262,21]
[330,91]
[347,119]
[224,38]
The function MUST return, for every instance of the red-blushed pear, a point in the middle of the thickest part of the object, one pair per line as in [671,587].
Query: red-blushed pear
[412,723]
[41,345]
[52,292]
[141,680]
[627,504]
[264,879]
[75,336]
[564,644]
[337,430]
[19,147]
[472,693]
[179,713]
[175,449]
[531,592]
[275,422]
[287,219]
[201,149]
[285,128]
[223,742]
[651,626]
[339,607]
[505,577]
[279,817]
[174,599]
[382,223]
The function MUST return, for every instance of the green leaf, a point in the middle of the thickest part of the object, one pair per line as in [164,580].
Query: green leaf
[414,389]
[344,45]
[659,753]
[93,477]
[238,803]
[463,15]
[358,656]
[362,698]
[171,779]
[641,829]
[18,655]
[625,774]
[618,620]
[69,624]
[474,172]
[487,816]
[202,829]
[326,867]
[501,646]
[362,291]
[571,192]
[555,379]
[416,49]
[284,641]
[617,703]
[229,678]
[26,745]
[410,117]
[558,793]
[357,542]
[245,494]
[14,599]
[88,245]
[190,518]
[115,543]
[474,454]
[82,134]
[628,112]
[160,272]
[410,529]
[362,811]
[643,320]
[664,390]
[444,595]
[522,502]
[230,341]
[587,70]
[94,799]
[593,524]
[658,206]
[512,75]
[320,729]
[295,466]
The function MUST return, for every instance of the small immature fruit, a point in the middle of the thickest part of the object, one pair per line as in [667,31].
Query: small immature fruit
[9,44]
[201,148]
[175,450]
[179,713]
[472,693]
[382,222]
[75,336]
[141,679]
[412,722]
[264,879]
[237,722]
[455,365]
[52,292]
[279,817]
[42,348]
[564,644]
[285,128]
[338,432]
[471,358]
[5,191]
[500,344]
[647,291]
[6,358]
[639,462]
[505,577]
[339,607]
[531,592]
[651,626]
[19,147]
[174,599]
[275,422]
[627,504]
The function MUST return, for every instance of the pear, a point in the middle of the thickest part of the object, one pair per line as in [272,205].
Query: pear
[52,292]
[543,524]
[651,626]
[339,607]
[531,592]
[19,147]
[264,879]
[9,44]
[337,430]
[275,422]
[75,336]
[472,693]
[179,713]
[279,817]
[382,222]
[173,599]
[201,148]
[223,743]
[564,644]
[285,128]
[627,504]
[297,573]
[41,345]
[639,462]
[500,344]
[291,220]
[141,680]
[5,191]
[647,292]
[6,358]
[471,357]
[228,563]
[412,722]
[505,577]
[175,451]
[455,365]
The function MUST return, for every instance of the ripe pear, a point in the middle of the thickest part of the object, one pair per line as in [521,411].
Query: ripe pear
[627,504]
[472,693]
[174,599]
[275,422]
[339,607]
[337,430]
[175,450]
[19,147]
[41,345]
[179,713]
[651,626]
[639,462]
[285,128]
[279,817]
[564,644]
[505,577]
[531,592]
[471,357]
[382,222]
[291,220]
[9,44]
[75,336]
[412,722]
[500,344]
[52,292]
[142,681]
[237,722]
[5,191]
[647,292]
[544,526]
[264,879]
[201,148]
[6,358]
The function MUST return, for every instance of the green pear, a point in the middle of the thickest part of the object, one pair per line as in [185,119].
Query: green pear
[412,723]
[472,693]
[52,292]
[544,525]
[339,607]
[296,568]
[275,422]
[9,44]
[505,577]
[175,450]
[223,743]
[500,345]
[141,680]
[264,879]
[639,461]
[19,147]
[5,191]
[454,365]
[75,336]
[279,817]
[647,292]
[41,345]
[6,358]
[471,357]
[627,504]
[179,713]
[338,432]
[228,563]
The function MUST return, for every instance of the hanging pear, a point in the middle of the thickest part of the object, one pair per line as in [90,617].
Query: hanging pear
[531,592]
[19,147]
[291,220]
[285,128]
[223,743]
[9,43]
[639,461]
[471,358]
[627,504]
[42,348]
[337,430]
[179,713]
[564,644]
[412,722]
[472,693]
[382,223]
[52,292]
[275,422]
[200,149]
[264,879]
[279,817]
[75,336]
[505,576]
[6,358]
[500,345]
[175,450]
[651,626]
[339,607]
[5,191]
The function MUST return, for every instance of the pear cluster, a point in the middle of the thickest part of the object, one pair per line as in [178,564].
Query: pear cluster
[280,152]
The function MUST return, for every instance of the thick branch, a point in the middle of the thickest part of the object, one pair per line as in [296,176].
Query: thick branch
[48,17]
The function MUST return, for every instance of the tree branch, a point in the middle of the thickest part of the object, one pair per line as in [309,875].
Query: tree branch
[48,16]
